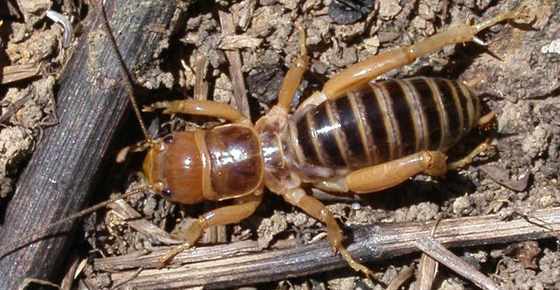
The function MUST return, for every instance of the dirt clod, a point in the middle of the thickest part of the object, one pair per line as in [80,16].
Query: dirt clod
[270,227]
[15,143]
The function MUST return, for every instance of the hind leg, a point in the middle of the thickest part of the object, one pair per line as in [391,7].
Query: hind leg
[362,72]
[485,123]
[389,174]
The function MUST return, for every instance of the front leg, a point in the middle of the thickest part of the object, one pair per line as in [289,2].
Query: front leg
[199,108]
[244,207]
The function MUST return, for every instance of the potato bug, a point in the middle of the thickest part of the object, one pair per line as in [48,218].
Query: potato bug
[354,135]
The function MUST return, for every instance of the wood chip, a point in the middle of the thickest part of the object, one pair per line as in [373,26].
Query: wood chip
[502,177]
[402,277]
[14,73]
[231,42]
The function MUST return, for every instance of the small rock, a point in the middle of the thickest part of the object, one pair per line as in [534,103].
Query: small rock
[426,211]
[475,259]
[35,47]
[537,142]
[290,4]
[340,56]
[371,45]
[345,283]
[452,284]
[348,12]
[425,11]
[300,219]
[424,26]
[150,204]
[347,33]
[389,9]
[267,2]
[223,91]
[462,205]
[318,31]
[15,143]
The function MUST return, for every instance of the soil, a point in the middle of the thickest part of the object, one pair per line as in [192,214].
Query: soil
[516,74]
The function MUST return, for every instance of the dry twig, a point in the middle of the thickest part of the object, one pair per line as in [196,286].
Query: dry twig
[438,252]
[402,277]
[13,73]
[427,270]
[242,263]
[239,90]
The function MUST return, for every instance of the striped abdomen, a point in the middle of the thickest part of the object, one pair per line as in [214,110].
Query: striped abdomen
[384,121]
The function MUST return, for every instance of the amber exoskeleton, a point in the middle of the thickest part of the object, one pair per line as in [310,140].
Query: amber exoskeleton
[355,135]
[383,121]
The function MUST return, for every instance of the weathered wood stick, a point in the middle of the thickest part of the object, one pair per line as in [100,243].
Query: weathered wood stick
[455,263]
[234,58]
[242,263]
[90,104]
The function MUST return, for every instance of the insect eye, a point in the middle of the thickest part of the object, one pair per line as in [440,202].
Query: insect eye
[166,192]
[168,139]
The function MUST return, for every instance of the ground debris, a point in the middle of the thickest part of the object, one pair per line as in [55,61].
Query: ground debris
[231,42]
[33,11]
[15,144]
[271,227]
[501,176]
[389,9]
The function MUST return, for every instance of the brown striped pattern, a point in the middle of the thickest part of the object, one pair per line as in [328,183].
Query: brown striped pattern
[387,120]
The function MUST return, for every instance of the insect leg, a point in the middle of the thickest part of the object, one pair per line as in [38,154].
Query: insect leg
[487,121]
[319,211]
[484,123]
[313,101]
[232,214]
[294,75]
[465,161]
[389,174]
[200,108]
[362,72]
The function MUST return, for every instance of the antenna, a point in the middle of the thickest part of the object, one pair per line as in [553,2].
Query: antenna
[42,233]
[122,67]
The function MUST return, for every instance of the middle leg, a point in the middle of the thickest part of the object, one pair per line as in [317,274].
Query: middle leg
[319,211]
[294,75]
[484,124]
